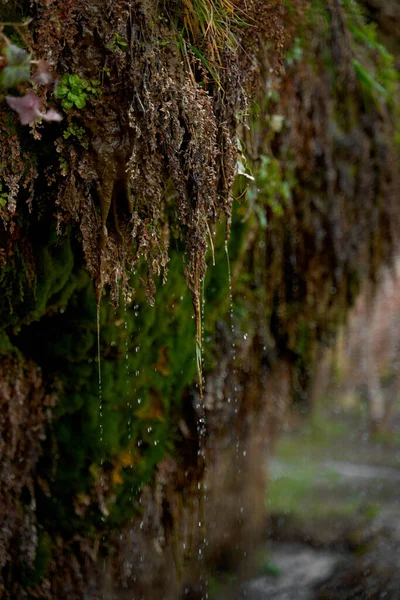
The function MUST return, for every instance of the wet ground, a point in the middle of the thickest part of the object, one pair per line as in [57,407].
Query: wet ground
[299,569]
[335,517]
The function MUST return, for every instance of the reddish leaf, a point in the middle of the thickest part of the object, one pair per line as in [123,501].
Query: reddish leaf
[28,108]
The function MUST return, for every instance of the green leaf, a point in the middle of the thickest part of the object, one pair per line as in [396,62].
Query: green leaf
[242,170]
[77,90]
[16,56]
[13,75]
[80,102]
[62,91]
[367,80]
[67,104]
[74,80]
[72,96]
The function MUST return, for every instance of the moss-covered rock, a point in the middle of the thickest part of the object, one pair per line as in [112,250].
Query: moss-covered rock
[106,394]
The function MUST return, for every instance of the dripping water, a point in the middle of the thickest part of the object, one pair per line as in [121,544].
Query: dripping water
[127,374]
[202,318]
[134,386]
[127,379]
[101,423]
[231,315]
[199,310]
[235,398]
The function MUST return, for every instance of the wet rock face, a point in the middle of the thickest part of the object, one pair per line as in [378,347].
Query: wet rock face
[143,184]
[25,410]
[302,569]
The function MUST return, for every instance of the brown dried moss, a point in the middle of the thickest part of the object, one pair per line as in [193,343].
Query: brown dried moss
[162,122]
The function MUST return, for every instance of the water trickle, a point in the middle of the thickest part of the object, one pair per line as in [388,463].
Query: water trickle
[126,341]
[203,305]
[235,399]
[101,424]
[128,387]
[231,315]
[199,316]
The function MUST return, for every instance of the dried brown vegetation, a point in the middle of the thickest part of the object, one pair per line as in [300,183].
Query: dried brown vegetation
[147,165]
[161,124]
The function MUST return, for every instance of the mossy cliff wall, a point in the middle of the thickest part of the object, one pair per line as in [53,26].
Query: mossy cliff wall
[124,207]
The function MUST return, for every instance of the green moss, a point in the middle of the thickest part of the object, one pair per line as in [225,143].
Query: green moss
[379,76]
[42,559]
[6,346]
[147,362]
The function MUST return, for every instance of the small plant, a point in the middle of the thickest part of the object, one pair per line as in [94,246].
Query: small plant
[211,21]
[74,90]
[206,28]
[80,133]
[3,196]
[243,167]
[15,73]
[373,64]
[18,66]
[270,188]
[63,165]
[118,43]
